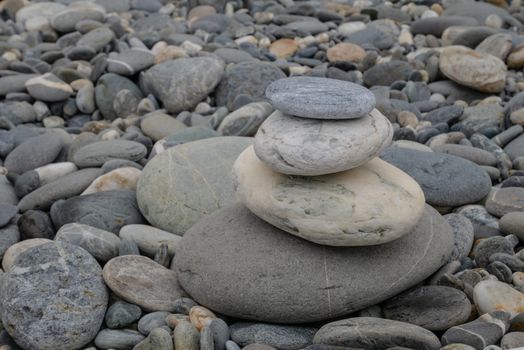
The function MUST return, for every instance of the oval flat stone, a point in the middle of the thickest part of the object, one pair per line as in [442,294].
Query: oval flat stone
[477,70]
[282,337]
[108,210]
[124,178]
[372,204]
[299,146]
[505,200]
[49,88]
[376,333]
[53,297]
[33,153]
[141,281]
[97,153]
[320,98]
[447,181]
[436,308]
[181,185]
[278,277]
[103,245]
[492,296]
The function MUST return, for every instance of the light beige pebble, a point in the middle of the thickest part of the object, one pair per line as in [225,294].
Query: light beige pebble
[125,178]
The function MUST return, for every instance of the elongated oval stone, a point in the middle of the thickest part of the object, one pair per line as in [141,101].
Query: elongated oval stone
[320,98]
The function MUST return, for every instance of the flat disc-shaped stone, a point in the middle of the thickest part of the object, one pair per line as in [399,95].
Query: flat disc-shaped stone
[238,265]
[300,146]
[372,204]
[320,98]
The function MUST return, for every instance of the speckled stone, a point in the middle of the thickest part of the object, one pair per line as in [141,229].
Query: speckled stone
[53,297]
[307,147]
[372,204]
[320,98]
[282,337]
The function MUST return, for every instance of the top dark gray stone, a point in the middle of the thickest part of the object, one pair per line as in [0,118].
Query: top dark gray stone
[320,98]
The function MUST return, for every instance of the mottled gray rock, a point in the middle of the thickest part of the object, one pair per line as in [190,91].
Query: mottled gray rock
[130,62]
[97,153]
[158,339]
[300,292]
[151,321]
[62,188]
[53,297]
[300,146]
[246,120]
[278,336]
[186,336]
[181,185]
[376,333]
[463,233]
[121,314]
[118,339]
[108,86]
[181,84]
[505,200]
[435,308]
[35,224]
[154,288]
[446,180]
[320,98]
[249,79]
[33,153]
[108,210]
[485,330]
[9,235]
[489,246]
[102,245]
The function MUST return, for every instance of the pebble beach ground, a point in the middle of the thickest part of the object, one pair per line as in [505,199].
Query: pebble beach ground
[261,175]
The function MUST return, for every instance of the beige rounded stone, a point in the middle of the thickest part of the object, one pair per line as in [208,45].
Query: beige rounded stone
[372,204]
[125,178]
[18,248]
[474,69]
[200,316]
[283,48]
[141,281]
[174,320]
[493,295]
[345,52]
[516,57]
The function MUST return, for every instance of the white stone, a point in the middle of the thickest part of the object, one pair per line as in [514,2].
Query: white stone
[300,146]
[125,178]
[149,238]
[492,296]
[50,172]
[372,204]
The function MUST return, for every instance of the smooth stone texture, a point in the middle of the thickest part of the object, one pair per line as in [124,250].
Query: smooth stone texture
[62,188]
[513,224]
[246,78]
[109,210]
[376,333]
[102,245]
[97,153]
[463,231]
[246,120]
[387,73]
[232,247]
[18,248]
[514,149]
[7,212]
[512,340]
[9,235]
[158,339]
[186,336]
[446,180]
[49,173]
[485,330]
[141,281]
[121,314]
[158,125]
[435,308]
[49,88]
[124,178]
[53,297]
[479,71]
[505,200]
[118,339]
[372,204]
[97,38]
[320,98]
[130,62]
[151,321]
[181,185]
[299,146]
[7,192]
[33,153]
[65,21]
[107,87]
[181,84]
[149,238]
[278,336]
[492,296]
[475,155]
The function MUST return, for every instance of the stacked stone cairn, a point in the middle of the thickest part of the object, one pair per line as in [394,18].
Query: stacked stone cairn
[364,231]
